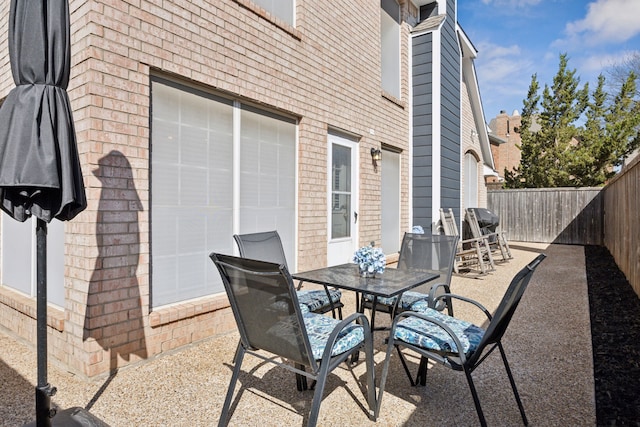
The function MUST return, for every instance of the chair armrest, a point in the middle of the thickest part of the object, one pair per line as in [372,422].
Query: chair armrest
[438,323]
[433,298]
[474,240]
[326,354]
[465,299]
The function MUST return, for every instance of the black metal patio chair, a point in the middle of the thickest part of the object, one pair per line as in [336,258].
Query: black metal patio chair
[271,322]
[434,253]
[267,246]
[455,343]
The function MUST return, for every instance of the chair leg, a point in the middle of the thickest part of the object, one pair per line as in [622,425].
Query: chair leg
[383,378]
[301,380]
[332,305]
[483,269]
[405,366]
[513,385]
[373,313]
[321,381]
[492,265]
[476,400]
[224,416]
[371,372]
[421,378]
[506,245]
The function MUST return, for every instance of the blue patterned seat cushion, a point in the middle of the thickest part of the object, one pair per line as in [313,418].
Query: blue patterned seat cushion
[420,305]
[319,327]
[406,303]
[430,336]
[313,299]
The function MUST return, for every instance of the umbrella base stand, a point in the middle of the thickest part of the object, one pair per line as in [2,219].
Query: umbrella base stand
[73,417]
[43,403]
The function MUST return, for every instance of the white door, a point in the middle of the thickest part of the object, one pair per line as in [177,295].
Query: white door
[343,199]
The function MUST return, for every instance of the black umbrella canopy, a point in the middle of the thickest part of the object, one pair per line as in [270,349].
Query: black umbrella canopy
[40,171]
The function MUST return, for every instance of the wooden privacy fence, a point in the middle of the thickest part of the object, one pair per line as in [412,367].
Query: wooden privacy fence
[550,215]
[622,221]
[608,216]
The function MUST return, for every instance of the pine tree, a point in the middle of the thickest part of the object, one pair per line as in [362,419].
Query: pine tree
[571,138]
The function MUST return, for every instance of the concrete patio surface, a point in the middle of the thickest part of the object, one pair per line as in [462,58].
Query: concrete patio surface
[548,345]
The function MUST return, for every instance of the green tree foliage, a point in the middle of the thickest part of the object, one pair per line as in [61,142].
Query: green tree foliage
[571,137]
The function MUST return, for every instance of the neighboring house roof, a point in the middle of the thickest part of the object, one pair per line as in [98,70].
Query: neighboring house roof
[469,53]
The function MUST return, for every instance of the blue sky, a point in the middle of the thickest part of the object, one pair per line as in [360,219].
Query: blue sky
[518,38]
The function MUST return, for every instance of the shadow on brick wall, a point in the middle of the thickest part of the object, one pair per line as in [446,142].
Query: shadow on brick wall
[114,316]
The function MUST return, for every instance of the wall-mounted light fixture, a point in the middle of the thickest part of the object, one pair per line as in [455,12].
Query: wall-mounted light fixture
[376,156]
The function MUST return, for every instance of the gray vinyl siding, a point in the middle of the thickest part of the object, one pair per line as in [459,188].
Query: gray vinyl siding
[450,121]
[450,110]
[422,129]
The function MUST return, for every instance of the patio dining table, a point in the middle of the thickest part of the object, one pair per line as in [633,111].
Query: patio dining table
[391,283]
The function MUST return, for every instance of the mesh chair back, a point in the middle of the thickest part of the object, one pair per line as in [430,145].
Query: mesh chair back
[508,305]
[265,307]
[264,246]
[429,252]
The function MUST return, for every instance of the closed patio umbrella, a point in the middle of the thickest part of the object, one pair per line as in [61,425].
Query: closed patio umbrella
[40,171]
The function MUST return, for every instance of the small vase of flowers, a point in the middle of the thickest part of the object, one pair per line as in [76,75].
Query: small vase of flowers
[370,261]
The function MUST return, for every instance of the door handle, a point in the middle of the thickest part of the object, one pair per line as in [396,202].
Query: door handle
[355,217]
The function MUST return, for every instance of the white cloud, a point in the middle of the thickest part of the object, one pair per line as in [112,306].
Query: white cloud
[500,63]
[597,63]
[607,21]
[512,3]
[504,75]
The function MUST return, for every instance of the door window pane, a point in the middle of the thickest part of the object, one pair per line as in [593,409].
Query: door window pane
[340,191]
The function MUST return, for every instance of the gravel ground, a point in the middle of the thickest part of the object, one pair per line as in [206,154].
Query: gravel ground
[187,387]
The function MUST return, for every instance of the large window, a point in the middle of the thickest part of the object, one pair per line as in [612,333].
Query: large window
[19,258]
[282,9]
[217,168]
[390,46]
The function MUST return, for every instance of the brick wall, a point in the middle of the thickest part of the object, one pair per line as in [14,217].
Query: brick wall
[508,154]
[325,71]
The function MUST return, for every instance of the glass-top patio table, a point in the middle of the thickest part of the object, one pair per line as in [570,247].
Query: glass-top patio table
[392,282]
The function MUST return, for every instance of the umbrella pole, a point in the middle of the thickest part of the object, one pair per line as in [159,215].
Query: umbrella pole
[44,391]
